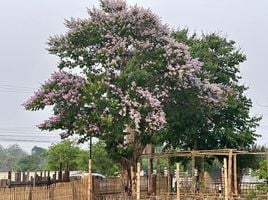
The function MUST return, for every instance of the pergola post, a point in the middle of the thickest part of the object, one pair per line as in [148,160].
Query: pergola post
[202,175]
[89,180]
[150,168]
[235,175]
[168,177]
[158,174]
[193,173]
[178,180]
[225,179]
[138,181]
[230,161]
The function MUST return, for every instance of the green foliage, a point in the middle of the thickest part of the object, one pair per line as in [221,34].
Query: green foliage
[29,162]
[101,162]
[251,195]
[199,127]
[70,154]
[35,161]
[250,161]
[9,156]
[65,153]
[262,172]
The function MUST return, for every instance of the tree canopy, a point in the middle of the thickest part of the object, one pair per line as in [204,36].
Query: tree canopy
[133,73]
[9,156]
[70,155]
[64,153]
[229,126]
[35,161]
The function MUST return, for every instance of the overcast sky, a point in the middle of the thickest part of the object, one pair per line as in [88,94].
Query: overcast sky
[24,62]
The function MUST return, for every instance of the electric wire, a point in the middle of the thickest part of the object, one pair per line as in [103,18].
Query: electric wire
[16,86]
[28,140]
[15,89]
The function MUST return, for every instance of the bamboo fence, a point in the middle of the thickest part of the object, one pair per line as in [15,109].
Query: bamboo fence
[76,190]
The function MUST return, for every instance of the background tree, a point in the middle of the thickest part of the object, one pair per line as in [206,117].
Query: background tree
[9,156]
[133,75]
[64,153]
[230,126]
[35,161]
[102,162]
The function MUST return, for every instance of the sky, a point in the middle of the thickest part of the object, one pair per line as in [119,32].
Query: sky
[25,63]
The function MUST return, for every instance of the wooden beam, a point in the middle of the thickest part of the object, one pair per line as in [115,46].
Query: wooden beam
[198,153]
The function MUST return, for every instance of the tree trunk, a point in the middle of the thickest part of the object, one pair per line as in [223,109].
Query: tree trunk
[125,172]
[129,171]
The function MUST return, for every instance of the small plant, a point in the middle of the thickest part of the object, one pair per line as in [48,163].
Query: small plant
[251,195]
[262,172]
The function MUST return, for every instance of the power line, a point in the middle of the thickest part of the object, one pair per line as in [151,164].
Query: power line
[28,140]
[29,135]
[261,105]
[21,130]
[15,89]
[16,131]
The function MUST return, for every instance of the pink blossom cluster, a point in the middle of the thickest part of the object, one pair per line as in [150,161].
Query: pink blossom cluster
[213,93]
[114,5]
[132,105]
[48,124]
[63,90]
[61,87]
[156,118]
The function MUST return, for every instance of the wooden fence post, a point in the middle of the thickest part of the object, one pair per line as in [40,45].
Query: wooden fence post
[34,180]
[138,181]
[89,180]
[9,175]
[60,173]
[225,179]
[178,180]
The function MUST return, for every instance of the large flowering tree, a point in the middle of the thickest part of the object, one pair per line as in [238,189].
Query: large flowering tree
[132,73]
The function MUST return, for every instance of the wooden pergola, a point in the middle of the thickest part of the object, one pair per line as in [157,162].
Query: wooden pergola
[230,154]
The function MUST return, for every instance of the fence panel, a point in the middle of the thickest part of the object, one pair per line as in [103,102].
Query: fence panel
[76,190]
